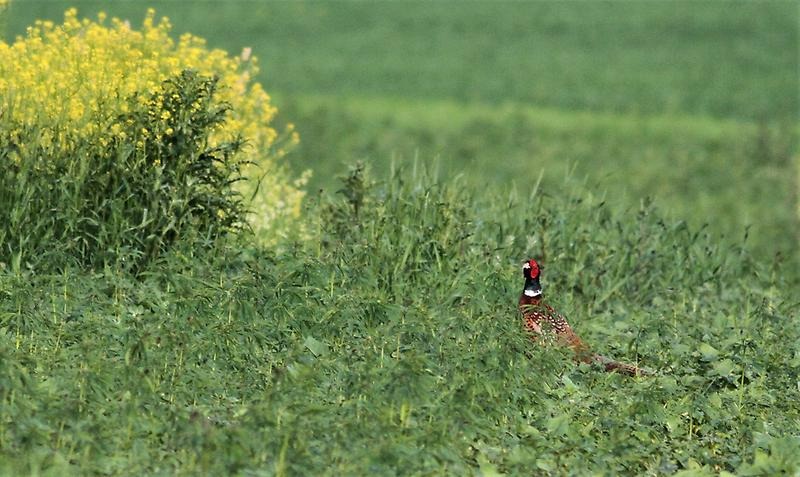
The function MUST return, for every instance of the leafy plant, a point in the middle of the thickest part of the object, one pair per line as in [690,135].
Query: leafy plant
[394,346]
[159,180]
[63,88]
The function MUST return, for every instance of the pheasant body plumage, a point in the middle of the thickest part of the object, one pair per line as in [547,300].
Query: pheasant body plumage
[543,321]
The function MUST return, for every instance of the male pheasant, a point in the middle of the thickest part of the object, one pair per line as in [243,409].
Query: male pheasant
[543,321]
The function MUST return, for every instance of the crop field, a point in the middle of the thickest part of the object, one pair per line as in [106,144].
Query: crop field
[362,320]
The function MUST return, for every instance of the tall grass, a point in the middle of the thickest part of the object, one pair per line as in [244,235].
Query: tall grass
[393,345]
[733,177]
[123,203]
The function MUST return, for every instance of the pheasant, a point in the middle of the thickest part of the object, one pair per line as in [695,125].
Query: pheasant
[541,320]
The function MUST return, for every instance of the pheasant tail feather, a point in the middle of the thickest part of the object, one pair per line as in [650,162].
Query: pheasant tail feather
[616,367]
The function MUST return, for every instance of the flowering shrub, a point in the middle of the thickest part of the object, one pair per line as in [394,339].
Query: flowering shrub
[77,88]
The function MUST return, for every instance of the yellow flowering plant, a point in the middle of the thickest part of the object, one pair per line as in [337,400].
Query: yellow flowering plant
[79,88]
[77,96]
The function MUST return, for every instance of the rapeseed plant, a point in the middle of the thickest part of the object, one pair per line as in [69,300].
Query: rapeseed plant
[61,84]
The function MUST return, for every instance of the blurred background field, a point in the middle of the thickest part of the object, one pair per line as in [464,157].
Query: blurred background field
[691,104]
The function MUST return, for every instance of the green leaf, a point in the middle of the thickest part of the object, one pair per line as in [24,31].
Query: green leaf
[545,465]
[696,472]
[708,352]
[715,401]
[558,425]
[487,468]
[724,367]
[317,348]
[569,385]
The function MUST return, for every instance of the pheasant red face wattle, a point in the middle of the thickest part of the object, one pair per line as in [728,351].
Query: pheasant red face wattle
[534,268]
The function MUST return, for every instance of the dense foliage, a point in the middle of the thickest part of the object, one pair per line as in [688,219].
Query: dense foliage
[121,203]
[394,346]
[64,86]
[736,179]
[691,103]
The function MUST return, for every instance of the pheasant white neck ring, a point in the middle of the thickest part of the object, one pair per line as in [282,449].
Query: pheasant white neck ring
[533,293]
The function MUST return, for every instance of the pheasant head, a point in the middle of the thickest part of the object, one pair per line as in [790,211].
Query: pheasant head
[532,272]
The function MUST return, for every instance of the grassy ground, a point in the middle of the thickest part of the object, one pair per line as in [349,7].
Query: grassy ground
[389,343]
[393,347]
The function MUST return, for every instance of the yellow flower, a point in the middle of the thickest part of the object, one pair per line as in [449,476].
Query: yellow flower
[77,77]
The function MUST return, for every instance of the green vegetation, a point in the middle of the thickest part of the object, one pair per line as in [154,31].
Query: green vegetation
[395,347]
[627,146]
[70,82]
[730,176]
[125,202]
[690,103]
[735,59]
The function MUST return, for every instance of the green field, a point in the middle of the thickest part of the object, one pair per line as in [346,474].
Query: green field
[646,152]
[692,104]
